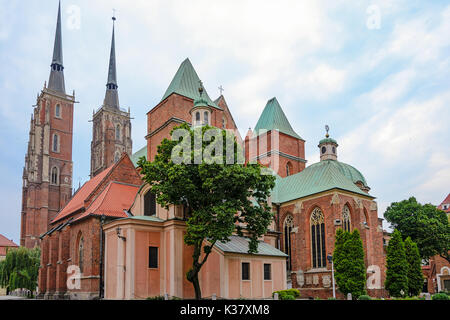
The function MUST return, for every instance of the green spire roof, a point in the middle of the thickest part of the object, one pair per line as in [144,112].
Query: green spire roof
[138,154]
[186,83]
[322,176]
[273,118]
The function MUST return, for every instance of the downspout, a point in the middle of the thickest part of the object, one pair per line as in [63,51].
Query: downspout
[101,285]
[278,225]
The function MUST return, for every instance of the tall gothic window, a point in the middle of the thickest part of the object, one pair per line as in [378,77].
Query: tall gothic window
[346,218]
[197,117]
[81,254]
[55,145]
[318,252]
[118,132]
[54,175]
[288,225]
[149,204]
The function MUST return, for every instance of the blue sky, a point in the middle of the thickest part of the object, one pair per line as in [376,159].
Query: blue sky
[377,72]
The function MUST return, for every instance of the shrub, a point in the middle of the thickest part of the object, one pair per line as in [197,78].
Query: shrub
[283,294]
[364,297]
[156,298]
[440,296]
[331,298]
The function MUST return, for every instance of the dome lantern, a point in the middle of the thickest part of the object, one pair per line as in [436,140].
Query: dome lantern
[328,147]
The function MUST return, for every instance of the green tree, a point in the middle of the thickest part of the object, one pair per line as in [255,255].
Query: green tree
[20,269]
[219,198]
[396,266]
[427,226]
[415,275]
[348,259]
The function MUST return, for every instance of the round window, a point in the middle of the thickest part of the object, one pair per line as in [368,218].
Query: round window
[324,149]
[334,150]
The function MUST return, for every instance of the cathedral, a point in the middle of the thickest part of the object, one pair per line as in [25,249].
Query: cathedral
[112,240]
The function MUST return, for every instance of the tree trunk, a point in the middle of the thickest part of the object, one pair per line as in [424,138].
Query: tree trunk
[192,275]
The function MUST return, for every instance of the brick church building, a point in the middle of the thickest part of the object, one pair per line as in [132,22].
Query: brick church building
[111,239]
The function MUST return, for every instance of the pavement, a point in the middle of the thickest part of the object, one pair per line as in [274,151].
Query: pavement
[11,298]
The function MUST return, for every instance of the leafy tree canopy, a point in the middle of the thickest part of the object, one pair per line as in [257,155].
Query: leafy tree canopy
[202,171]
[396,267]
[427,226]
[20,269]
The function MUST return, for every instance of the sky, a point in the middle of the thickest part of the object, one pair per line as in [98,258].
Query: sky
[376,72]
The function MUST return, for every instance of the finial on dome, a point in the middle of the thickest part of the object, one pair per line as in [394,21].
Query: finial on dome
[327,128]
[200,88]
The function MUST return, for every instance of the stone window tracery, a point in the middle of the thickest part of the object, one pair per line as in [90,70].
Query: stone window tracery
[346,218]
[318,248]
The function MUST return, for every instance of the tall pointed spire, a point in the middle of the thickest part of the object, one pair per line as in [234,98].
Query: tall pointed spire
[56,80]
[112,96]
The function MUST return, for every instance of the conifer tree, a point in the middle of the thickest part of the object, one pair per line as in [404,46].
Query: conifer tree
[348,259]
[397,266]
[415,275]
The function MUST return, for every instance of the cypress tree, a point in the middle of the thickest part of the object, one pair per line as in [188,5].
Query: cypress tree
[348,259]
[415,275]
[397,266]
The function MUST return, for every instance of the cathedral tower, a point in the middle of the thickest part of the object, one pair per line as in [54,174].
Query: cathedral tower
[47,175]
[111,130]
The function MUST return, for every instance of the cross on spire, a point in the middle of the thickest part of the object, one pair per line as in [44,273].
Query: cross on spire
[221,89]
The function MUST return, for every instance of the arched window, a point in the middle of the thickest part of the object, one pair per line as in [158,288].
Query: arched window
[197,117]
[288,169]
[149,204]
[55,145]
[118,132]
[58,111]
[55,176]
[317,222]
[206,118]
[81,254]
[346,218]
[288,225]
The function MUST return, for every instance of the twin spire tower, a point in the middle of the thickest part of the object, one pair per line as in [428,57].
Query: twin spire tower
[47,173]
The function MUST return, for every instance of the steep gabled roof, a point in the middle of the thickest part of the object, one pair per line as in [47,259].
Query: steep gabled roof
[319,177]
[273,118]
[186,83]
[77,202]
[446,201]
[5,242]
[112,201]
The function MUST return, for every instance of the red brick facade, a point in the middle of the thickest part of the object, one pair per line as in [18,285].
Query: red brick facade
[317,282]
[61,247]
[47,175]
[173,111]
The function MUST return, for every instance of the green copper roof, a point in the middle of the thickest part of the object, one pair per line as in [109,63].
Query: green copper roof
[273,118]
[241,245]
[327,140]
[186,83]
[141,153]
[322,176]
